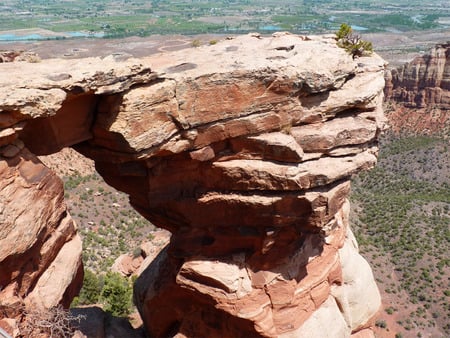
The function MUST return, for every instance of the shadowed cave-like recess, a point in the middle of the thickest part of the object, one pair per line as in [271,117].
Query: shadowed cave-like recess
[245,155]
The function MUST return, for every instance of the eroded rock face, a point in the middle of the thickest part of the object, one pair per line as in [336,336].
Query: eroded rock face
[40,252]
[244,151]
[419,92]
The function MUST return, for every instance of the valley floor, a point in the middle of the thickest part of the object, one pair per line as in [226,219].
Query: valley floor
[396,48]
[401,218]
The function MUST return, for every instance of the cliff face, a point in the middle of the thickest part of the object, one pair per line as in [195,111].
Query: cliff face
[419,92]
[40,252]
[243,150]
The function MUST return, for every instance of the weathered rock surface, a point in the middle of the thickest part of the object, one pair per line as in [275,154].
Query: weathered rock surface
[419,93]
[244,151]
[15,56]
[40,252]
[135,263]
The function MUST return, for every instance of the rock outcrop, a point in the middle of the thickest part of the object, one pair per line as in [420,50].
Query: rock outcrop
[15,56]
[243,151]
[419,93]
[40,252]
[135,263]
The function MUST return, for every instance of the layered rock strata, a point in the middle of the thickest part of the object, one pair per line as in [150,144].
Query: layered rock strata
[419,93]
[40,251]
[244,151]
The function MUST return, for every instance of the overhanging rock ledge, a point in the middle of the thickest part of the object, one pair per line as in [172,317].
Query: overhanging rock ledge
[244,150]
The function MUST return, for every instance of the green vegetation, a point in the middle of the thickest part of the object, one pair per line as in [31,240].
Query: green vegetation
[110,289]
[116,294]
[113,18]
[92,287]
[381,324]
[108,225]
[352,42]
[403,221]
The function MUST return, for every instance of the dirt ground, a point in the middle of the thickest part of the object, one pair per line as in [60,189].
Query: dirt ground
[127,47]
[397,48]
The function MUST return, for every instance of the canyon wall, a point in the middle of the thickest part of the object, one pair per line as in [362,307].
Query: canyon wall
[419,93]
[244,150]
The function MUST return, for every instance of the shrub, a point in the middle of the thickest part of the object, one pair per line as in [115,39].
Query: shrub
[54,322]
[90,292]
[116,294]
[390,310]
[352,42]
[137,252]
[381,323]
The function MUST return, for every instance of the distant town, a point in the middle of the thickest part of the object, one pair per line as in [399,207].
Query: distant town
[51,19]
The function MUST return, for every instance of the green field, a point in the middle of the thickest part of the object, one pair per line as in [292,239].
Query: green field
[113,18]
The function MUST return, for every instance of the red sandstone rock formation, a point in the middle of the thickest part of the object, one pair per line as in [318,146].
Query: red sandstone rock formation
[244,151]
[419,93]
[40,252]
[131,264]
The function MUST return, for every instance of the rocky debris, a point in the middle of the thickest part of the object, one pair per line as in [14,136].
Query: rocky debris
[127,265]
[68,162]
[151,249]
[419,93]
[135,263]
[17,56]
[243,150]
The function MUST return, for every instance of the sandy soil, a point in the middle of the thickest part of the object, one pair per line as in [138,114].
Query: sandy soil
[127,47]
[399,48]
[396,48]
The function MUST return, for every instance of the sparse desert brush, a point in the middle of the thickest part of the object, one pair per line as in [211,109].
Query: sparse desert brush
[34,59]
[54,322]
[404,214]
[30,58]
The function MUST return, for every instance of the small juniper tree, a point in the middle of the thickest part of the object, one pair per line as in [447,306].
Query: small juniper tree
[352,42]
[116,294]
[90,292]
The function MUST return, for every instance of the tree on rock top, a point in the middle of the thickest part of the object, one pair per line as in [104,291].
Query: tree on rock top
[352,42]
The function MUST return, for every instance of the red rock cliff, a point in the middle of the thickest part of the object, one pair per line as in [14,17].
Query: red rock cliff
[419,92]
[243,150]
